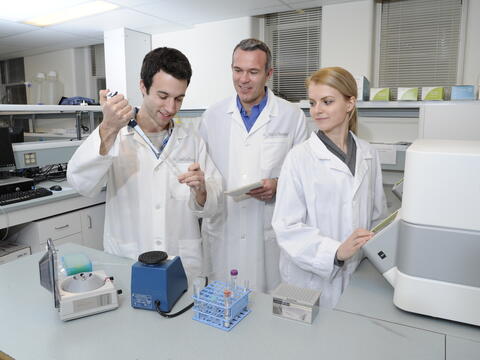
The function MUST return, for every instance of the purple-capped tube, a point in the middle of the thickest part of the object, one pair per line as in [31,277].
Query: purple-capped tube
[233,280]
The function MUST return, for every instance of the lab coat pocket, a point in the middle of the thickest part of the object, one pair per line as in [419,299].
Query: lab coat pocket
[274,150]
[179,191]
[190,251]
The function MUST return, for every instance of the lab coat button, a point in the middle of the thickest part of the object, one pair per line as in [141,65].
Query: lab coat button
[158,206]
[243,237]
[158,242]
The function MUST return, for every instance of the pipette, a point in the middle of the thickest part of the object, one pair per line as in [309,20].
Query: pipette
[134,125]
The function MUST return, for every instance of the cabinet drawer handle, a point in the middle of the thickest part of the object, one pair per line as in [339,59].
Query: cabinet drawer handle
[61,227]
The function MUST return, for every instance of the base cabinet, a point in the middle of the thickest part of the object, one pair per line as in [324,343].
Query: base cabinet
[83,227]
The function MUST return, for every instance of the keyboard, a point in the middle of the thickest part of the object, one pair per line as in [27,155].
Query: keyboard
[18,196]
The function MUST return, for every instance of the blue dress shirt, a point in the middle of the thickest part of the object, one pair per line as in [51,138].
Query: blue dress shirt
[249,120]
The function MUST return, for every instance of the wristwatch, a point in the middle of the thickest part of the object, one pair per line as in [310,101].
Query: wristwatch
[338,262]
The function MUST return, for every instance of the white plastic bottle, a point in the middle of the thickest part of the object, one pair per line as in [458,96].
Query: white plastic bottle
[52,96]
[38,89]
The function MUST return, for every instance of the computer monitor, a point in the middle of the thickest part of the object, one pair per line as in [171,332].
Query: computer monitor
[7,159]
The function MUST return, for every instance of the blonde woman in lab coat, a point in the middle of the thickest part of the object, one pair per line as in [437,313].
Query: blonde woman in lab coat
[329,192]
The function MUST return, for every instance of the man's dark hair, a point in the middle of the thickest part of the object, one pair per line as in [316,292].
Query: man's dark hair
[169,60]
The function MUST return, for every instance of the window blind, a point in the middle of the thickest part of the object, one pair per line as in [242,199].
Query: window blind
[419,41]
[294,39]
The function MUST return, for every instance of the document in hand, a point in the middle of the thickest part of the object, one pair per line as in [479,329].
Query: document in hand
[244,189]
[385,222]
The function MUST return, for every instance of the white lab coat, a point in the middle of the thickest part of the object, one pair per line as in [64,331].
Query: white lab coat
[146,207]
[241,237]
[319,204]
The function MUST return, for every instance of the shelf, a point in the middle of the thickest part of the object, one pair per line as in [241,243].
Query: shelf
[6,109]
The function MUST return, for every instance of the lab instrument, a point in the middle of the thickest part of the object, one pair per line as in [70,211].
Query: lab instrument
[429,253]
[79,295]
[7,159]
[295,303]
[158,281]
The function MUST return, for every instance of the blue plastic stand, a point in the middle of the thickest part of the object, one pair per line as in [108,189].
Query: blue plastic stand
[209,306]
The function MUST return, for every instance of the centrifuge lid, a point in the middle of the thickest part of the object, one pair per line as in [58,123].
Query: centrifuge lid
[49,272]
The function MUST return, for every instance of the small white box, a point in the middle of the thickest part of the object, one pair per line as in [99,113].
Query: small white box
[295,303]
[380,94]
[405,93]
[433,93]
[11,251]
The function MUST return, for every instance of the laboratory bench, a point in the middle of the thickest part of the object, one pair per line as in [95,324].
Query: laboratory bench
[371,296]
[31,327]
[65,216]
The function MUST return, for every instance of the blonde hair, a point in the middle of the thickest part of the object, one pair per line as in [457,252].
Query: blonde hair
[341,80]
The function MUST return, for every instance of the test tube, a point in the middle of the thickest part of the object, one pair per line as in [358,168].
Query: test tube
[226,317]
[233,281]
[198,285]
[246,285]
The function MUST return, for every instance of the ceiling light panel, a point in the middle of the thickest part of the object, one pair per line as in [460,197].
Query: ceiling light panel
[76,12]
[18,10]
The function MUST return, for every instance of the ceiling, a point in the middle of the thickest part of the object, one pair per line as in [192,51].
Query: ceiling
[153,16]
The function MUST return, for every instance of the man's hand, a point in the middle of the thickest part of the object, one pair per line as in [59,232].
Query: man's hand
[195,179]
[353,244]
[266,192]
[116,114]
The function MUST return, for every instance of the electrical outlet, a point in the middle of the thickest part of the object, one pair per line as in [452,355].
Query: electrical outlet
[30,158]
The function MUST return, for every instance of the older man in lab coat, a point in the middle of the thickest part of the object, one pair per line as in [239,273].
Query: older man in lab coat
[248,136]
[153,203]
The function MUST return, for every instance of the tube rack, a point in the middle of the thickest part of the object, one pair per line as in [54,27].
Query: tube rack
[209,306]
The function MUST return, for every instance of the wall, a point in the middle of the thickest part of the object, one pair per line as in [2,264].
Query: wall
[348,37]
[59,61]
[209,48]
[72,67]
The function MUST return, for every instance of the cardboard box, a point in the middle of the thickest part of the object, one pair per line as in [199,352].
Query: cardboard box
[433,93]
[462,92]
[380,94]
[407,94]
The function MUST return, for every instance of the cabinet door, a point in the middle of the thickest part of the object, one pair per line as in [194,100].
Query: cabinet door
[92,220]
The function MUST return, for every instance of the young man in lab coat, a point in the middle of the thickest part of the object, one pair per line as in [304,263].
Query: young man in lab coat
[151,203]
[248,136]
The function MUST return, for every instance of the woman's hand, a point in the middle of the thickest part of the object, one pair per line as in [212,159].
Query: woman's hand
[353,243]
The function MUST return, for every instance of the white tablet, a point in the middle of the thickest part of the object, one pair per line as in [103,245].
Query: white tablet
[244,189]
